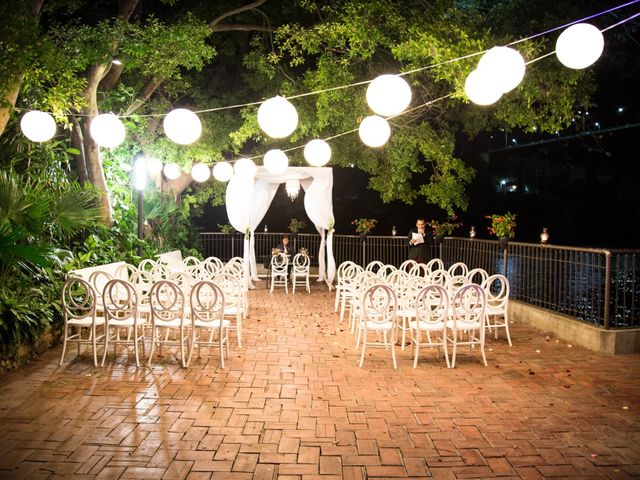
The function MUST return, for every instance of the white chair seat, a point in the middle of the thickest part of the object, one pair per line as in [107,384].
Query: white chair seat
[465,325]
[379,326]
[212,324]
[430,326]
[408,312]
[85,322]
[127,322]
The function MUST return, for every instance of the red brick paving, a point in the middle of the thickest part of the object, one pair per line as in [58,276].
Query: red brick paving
[292,404]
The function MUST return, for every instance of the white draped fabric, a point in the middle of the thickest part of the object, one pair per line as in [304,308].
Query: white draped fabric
[248,200]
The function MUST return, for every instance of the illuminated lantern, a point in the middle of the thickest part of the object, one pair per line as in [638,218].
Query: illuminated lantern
[388,95]
[182,126]
[481,88]
[505,66]
[317,152]
[154,166]
[579,46]
[107,130]
[277,117]
[374,131]
[200,172]
[245,168]
[222,171]
[38,126]
[140,173]
[292,187]
[172,171]
[276,161]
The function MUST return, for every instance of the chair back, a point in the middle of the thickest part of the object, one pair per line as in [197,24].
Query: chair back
[453,284]
[183,279]
[342,268]
[407,265]
[78,300]
[99,280]
[419,270]
[126,271]
[147,264]
[215,261]
[397,280]
[384,271]
[374,266]
[469,306]
[435,264]
[379,304]
[301,263]
[279,264]
[412,288]
[350,273]
[166,299]
[231,287]
[120,301]
[478,276]
[496,288]
[190,261]
[458,268]
[439,277]
[207,302]
[432,305]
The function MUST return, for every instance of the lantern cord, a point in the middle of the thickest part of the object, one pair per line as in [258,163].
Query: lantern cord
[621,22]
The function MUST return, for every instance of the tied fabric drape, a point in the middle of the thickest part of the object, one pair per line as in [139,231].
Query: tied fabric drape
[248,200]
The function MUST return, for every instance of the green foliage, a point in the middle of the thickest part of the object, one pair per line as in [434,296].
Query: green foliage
[502,226]
[444,228]
[226,228]
[364,225]
[295,225]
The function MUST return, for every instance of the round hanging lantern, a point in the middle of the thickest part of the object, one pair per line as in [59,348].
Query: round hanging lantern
[317,152]
[245,168]
[505,66]
[154,166]
[277,117]
[38,126]
[276,162]
[182,126]
[388,95]
[172,171]
[481,88]
[107,130]
[579,46]
[374,131]
[222,171]
[200,172]
[140,173]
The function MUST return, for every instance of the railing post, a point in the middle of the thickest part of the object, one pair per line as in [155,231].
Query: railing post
[505,261]
[233,244]
[363,243]
[607,289]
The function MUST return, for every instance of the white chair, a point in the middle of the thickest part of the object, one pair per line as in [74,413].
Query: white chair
[407,265]
[453,284]
[184,280]
[167,301]
[432,310]
[435,264]
[469,311]
[347,286]
[231,287]
[280,272]
[120,301]
[407,304]
[384,271]
[458,268]
[374,266]
[478,276]
[397,280]
[215,262]
[98,280]
[147,265]
[360,284]
[126,271]
[439,277]
[378,309]
[419,270]
[300,271]
[207,315]
[340,277]
[79,301]
[496,287]
[191,261]
[142,281]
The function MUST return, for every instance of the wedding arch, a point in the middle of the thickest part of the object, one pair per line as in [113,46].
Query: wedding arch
[248,198]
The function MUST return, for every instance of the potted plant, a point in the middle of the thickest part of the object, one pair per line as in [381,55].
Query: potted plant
[226,228]
[295,226]
[440,229]
[364,226]
[502,226]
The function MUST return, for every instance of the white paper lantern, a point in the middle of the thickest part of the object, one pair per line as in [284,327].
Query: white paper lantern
[107,130]
[154,166]
[172,171]
[277,117]
[38,126]
[276,161]
[579,46]
[317,152]
[182,126]
[374,131]
[245,168]
[388,95]
[222,171]
[200,172]
[481,88]
[505,66]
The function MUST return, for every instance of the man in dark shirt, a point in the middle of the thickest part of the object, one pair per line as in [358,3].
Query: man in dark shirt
[420,241]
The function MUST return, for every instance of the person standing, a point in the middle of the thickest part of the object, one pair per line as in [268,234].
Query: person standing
[420,242]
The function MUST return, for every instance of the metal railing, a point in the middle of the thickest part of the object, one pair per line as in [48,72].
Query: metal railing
[598,286]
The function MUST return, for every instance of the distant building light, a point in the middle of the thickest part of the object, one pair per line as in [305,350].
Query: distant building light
[503,182]
[620,109]
[579,112]
[586,113]
[514,188]
[597,124]
[573,119]
[513,140]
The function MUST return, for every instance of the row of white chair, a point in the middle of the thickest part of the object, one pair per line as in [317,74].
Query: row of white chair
[299,273]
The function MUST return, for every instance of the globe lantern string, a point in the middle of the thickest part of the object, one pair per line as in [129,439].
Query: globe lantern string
[500,70]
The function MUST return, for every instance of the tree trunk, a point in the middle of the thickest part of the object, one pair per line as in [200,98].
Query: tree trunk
[10,98]
[77,142]
[178,185]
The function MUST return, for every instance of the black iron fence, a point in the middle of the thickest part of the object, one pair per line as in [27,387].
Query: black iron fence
[598,286]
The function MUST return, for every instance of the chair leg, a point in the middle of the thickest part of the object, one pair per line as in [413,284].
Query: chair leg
[239,330]
[135,344]
[484,357]
[364,346]
[153,344]
[455,348]
[417,348]
[106,344]
[337,300]
[506,326]
[93,345]
[404,327]
[193,341]
[393,347]
[445,348]
[64,345]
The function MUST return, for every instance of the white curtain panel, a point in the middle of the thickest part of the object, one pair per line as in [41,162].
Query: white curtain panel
[248,200]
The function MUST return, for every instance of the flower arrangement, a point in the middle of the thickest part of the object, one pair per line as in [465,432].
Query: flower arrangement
[296,225]
[332,224]
[502,226]
[303,251]
[247,233]
[275,251]
[226,228]
[364,225]
[440,229]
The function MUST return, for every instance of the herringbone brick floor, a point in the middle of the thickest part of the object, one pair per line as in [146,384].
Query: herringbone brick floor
[292,404]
